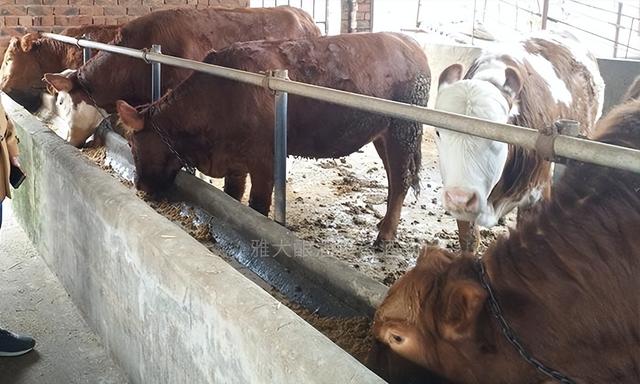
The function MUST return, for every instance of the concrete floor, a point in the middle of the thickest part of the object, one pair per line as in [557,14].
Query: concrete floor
[34,302]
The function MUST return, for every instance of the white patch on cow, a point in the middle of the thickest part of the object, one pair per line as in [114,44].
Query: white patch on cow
[82,119]
[492,68]
[470,162]
[557,86]
[582,55]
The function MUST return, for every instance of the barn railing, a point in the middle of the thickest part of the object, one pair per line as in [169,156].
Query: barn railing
[566,147]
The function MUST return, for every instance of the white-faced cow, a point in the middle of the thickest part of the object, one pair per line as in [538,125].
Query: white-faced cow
[533,84]
[564,285]
[226,128]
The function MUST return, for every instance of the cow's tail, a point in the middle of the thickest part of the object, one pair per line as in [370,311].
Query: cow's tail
[409,133]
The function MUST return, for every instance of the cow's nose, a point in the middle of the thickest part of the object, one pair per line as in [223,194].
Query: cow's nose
[461,200]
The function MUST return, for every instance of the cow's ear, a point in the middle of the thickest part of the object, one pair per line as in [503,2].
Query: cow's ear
[512,82]
[450,75]
[434,258]
[462,302]
[59,82]
[28,41]
[129,116]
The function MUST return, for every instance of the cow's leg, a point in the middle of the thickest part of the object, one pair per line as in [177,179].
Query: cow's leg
[402,145]
[382,152]
[468,236]
[261,188]
[235,184]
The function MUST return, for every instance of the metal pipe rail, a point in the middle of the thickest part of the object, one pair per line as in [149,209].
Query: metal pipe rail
[566,147]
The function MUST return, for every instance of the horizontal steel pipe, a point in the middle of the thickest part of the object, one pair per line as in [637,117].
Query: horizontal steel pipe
[567,147]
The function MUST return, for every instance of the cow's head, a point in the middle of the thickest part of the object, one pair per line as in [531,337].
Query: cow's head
[21,71]
[156,165]
[80,115]
[428,321]
[471,166]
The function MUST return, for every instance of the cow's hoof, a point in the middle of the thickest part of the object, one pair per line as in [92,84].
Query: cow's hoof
[382,245]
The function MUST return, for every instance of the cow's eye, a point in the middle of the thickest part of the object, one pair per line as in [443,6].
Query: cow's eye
[397,339]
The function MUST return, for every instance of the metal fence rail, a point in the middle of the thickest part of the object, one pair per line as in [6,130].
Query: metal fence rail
[564,146]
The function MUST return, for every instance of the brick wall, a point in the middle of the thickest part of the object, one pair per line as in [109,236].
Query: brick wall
[18,17]
[359,12]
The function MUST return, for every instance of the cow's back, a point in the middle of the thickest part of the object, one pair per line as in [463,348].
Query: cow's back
[385,65]
[560,80]
[186,33]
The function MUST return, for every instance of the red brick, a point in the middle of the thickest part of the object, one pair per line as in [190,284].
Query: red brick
[39,10]
[55,2]
[153,3]
[174,2]
[98,20]
[11,21]
[61,20]
[138,11]
[114,11]
[103,3]
[13,10]
[81,2]
[129,3]
[6,2]
[26,21]
[13,30]
[27,2]
[91,11]
[66,11]
[47,20]
[111,20]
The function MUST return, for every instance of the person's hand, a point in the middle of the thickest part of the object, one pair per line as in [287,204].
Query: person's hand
[16,162]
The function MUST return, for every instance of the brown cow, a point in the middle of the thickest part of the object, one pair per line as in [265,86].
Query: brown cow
[186,33]
[224,127]
[533,83]
[566,282]
[28,58]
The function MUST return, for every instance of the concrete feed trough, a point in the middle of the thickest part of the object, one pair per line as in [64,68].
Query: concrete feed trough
[167,308]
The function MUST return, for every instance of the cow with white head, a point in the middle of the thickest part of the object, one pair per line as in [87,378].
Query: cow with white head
[534,83]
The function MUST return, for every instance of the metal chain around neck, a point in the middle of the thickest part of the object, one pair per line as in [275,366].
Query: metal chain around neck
[509,333]
[186,164]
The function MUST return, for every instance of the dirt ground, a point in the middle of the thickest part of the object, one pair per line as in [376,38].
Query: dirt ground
[336,204]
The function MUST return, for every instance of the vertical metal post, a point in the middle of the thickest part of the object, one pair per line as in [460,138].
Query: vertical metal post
[156,75]
[280,152]
[326,16]
[420,6]
[618,27]
[545,13]
[568,128]
[86,52]
[473,21]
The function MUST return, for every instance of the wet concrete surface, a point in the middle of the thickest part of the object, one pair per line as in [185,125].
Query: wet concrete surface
[34,302]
